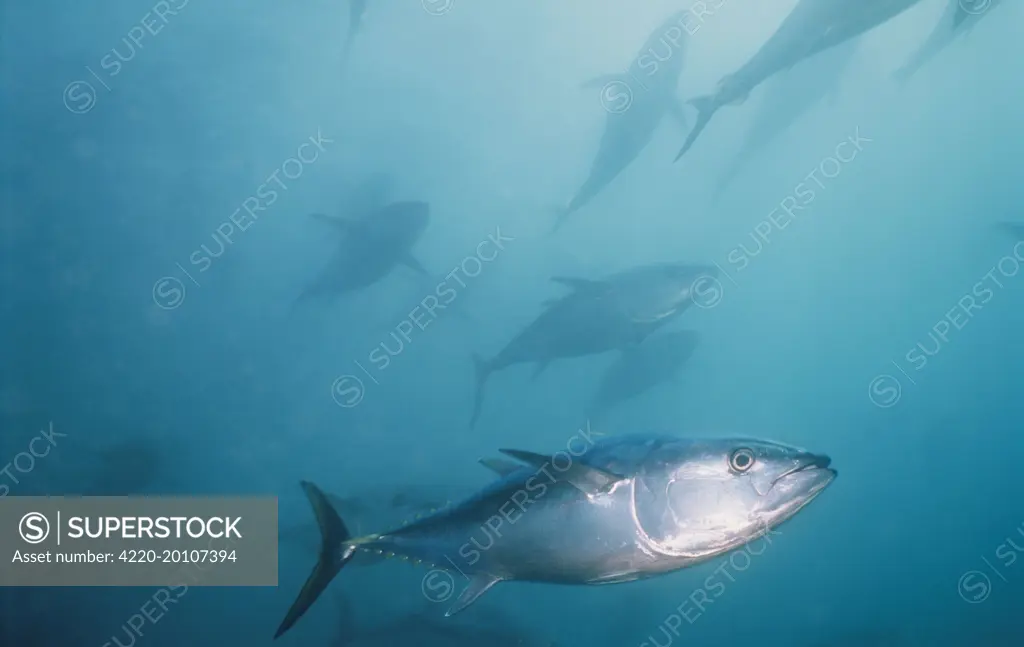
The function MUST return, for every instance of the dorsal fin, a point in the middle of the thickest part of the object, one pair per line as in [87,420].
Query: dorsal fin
[587,479]
[500,466]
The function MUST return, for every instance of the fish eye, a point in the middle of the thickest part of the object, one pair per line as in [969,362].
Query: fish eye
[741,460]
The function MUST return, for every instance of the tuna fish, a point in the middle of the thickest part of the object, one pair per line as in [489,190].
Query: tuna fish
[788,96]
[811,27]
[956,20]
[614,313]
[657,360]
[619,509]
[371,247]
[637,102]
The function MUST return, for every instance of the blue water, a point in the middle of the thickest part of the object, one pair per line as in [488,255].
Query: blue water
[155,233]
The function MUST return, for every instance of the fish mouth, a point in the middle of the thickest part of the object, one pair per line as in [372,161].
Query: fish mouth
[811,463]
[788,494]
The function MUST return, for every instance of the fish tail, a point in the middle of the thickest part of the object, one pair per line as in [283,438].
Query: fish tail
[483,371]
[706,109]
[336,549]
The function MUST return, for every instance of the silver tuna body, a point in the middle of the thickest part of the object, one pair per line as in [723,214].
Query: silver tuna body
[622,509]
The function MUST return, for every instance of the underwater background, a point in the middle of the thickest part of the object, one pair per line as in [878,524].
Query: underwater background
[155,344]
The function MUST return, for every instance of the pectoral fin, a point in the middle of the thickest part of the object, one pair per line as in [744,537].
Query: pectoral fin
[411,262]
[587,479]
[500,466]
[478,585]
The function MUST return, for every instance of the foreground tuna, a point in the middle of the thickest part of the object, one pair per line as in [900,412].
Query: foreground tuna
[618,510]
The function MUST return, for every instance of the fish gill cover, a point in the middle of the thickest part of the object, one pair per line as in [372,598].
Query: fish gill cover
[526,294]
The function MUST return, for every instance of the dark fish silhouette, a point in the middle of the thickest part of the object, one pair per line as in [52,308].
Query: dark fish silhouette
[613,313]
[972,10]
[955,21]
[371,247]
[648,93]
[657,360]
[811,27]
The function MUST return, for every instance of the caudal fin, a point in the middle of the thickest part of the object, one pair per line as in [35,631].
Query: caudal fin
[335,552]
[706,109]
[483,371]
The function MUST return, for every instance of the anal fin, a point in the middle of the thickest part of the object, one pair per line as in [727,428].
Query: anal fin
[589,480]
[479,584]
